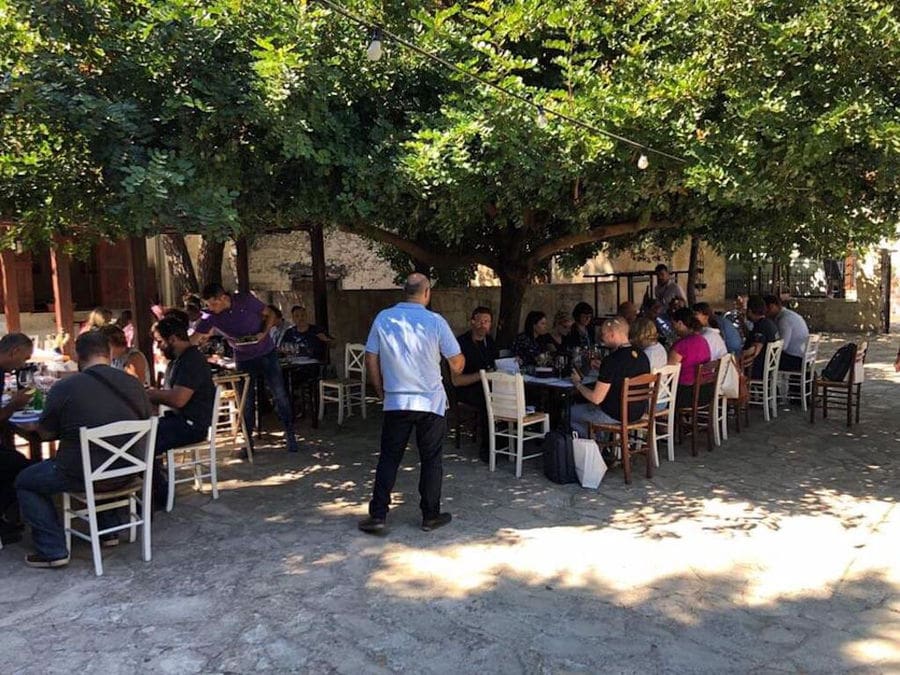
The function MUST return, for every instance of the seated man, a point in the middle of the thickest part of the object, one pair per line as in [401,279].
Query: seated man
[97,395]
[189,394]
[605,398]
[15,351]
[628,311]
[793,330]
[305,338]
[480,351]
[763,332]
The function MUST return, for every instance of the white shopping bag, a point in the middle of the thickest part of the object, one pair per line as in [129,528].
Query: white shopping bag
[731,383]
[589,464]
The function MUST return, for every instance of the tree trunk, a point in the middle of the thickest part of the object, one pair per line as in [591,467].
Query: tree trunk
[692,270]
[209,262]
[180,264]
[512,293]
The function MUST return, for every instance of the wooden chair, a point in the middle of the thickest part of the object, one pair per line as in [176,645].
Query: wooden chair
[191,458]
[667,391]
[642,389]
[462,415]
[700,414]
[505,398]
[229,417]
[802,378]
[347,391]
[846,394]
[764,392]
[117,439]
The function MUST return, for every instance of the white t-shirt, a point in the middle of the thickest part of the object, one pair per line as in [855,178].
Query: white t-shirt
[717,348]
[657,356]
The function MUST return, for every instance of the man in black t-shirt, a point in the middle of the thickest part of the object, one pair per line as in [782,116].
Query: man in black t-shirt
[764,331]
[98,395]
[604,404]
[189,393]
[480,351]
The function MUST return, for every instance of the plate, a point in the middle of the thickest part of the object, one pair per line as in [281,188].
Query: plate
[25,416]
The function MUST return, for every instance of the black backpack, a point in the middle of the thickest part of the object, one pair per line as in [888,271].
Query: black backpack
[559,460]
[840,363]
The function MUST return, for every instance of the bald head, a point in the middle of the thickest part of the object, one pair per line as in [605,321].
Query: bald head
[417,288]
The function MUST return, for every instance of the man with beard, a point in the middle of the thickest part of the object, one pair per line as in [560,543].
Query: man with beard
[188,393]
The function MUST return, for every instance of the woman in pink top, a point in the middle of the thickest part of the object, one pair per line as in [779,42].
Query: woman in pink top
[691,349]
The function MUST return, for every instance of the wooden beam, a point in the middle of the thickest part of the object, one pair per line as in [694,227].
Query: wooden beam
[320,287]
[140,300]
[10,292]
[60,264]
[243,265]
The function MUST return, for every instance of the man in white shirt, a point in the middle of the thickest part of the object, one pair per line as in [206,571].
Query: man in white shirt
[666,287]
[403,357]
[793,330]
[713,337]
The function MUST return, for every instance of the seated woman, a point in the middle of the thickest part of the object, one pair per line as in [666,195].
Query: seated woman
[527,346]
[123,357]
[644,336]
[555,340]
[690,350]
[99,317]
[583,334]
[304,338]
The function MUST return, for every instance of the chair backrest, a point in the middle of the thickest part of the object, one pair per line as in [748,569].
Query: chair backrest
[504,394]
[118,439]
[707,374]
[668,383]
[640,389]
[217,398]
[725,363]
[355,360]
[857,372]
[773,356]
[812,349]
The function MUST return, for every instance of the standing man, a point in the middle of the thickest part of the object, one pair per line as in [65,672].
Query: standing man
[666,287]
[793,330]
[403,355]
[240,318]
[480,352]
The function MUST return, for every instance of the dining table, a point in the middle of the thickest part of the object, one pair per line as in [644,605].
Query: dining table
[556,395]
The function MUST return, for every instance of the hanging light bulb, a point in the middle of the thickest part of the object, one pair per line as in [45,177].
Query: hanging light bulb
[375,51]
[542,120]
[643,162]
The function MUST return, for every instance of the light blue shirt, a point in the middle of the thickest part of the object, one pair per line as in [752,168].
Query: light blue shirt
[733,341]
[794,331]
[409,341]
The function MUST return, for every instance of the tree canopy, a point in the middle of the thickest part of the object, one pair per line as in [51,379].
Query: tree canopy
[230,118]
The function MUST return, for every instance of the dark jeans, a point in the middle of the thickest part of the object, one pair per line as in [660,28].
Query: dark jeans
[35,486]
[791,363]
[267,367]
[11,464]
[173,431]
[395,432]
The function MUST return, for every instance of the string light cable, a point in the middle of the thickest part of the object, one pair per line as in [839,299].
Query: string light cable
[542,111]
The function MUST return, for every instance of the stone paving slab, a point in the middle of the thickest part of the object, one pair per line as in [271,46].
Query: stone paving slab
[775,553]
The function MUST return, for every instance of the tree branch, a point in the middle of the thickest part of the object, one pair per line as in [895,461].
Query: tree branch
[592,235]
[429,256]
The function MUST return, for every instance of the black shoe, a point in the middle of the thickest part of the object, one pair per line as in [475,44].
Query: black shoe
[37,560]
[441,519]
[239,454]
[372,526]
[109,540]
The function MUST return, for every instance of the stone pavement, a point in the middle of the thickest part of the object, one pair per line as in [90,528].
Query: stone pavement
[776,552]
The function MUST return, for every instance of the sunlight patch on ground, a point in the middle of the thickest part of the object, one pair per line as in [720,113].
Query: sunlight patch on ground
[792,557]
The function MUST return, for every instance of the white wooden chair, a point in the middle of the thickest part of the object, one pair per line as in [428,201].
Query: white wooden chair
[350,390]
[190,458]
[764,392]
[720,402]
[665,417]
[802,378]
[118,439]
[505,398]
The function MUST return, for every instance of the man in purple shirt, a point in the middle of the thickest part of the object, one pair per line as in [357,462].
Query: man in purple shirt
[245,321]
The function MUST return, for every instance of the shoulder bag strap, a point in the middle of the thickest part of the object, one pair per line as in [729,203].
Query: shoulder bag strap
[109,385]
